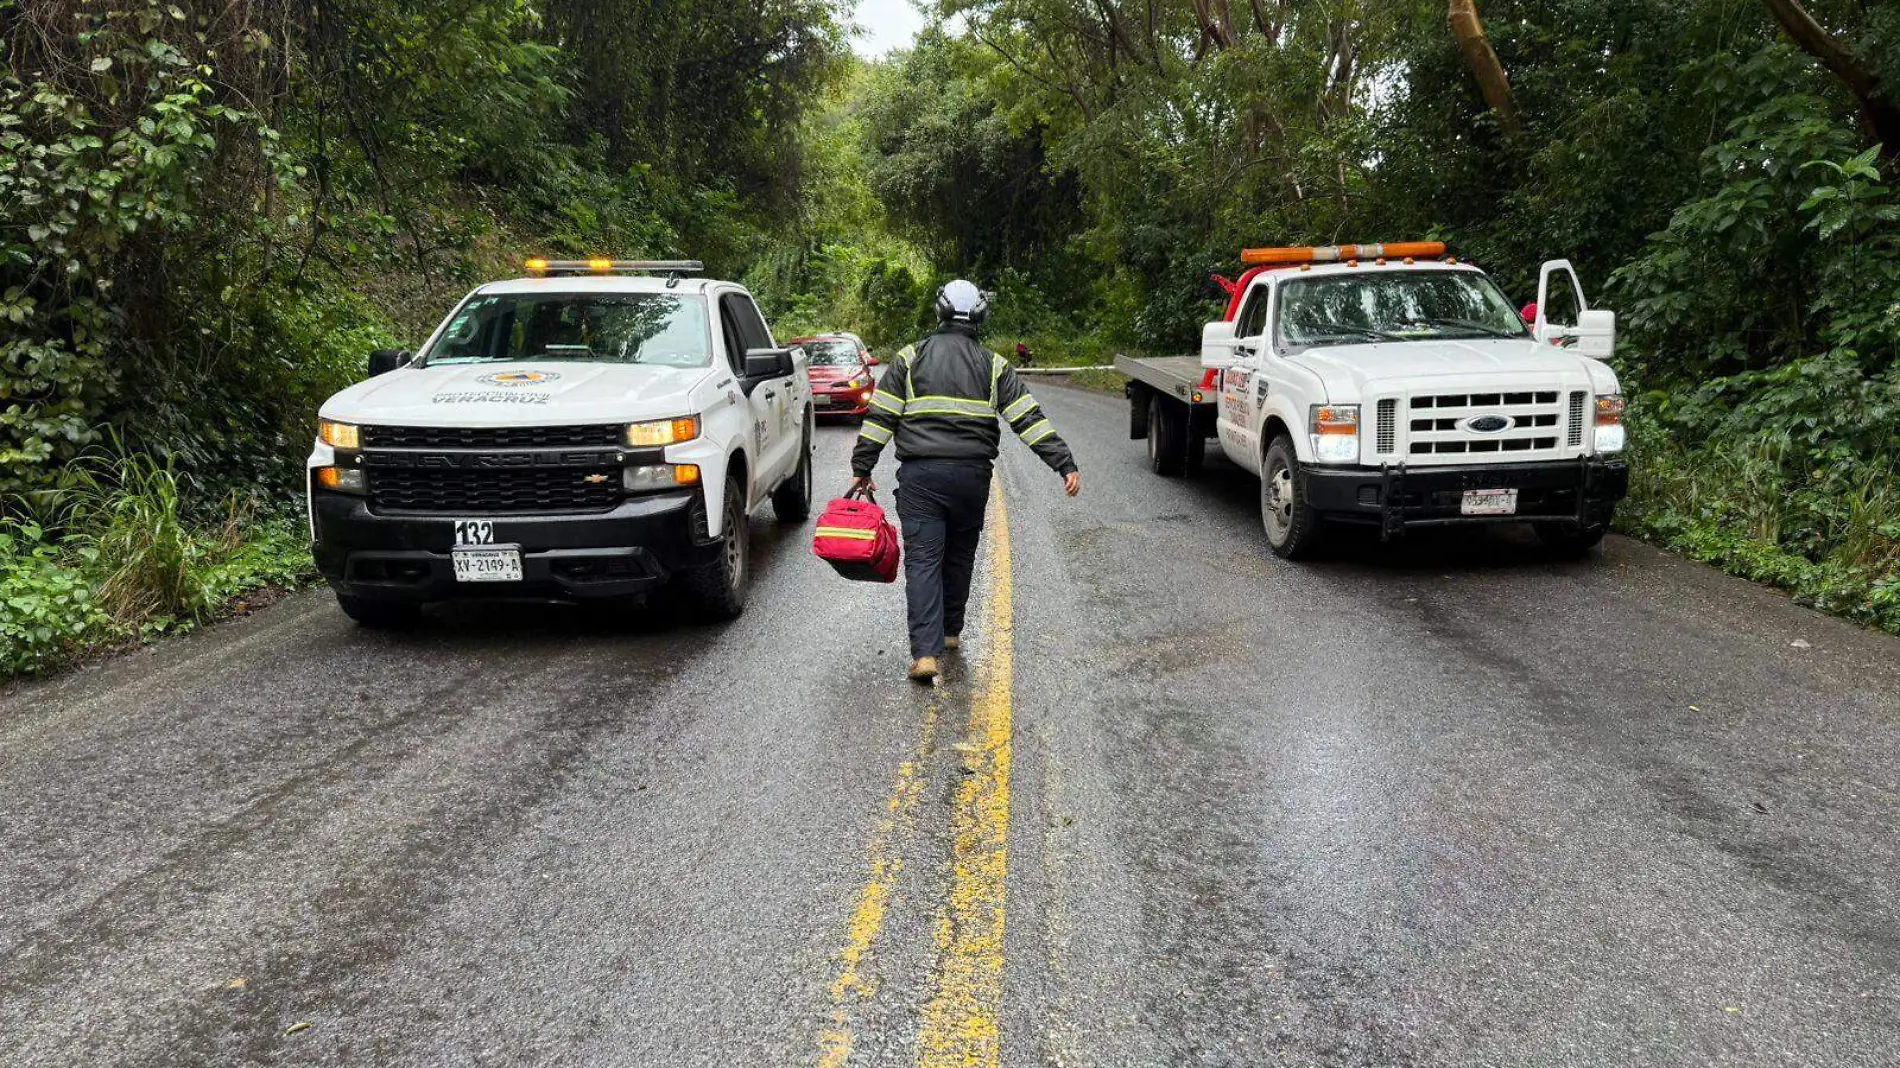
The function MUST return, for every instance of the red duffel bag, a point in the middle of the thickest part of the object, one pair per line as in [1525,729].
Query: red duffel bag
[855,539]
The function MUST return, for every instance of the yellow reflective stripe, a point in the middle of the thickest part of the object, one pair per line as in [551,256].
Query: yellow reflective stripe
[931,405]
[996,375]
[1020,408]
[890,402]
[1038,432]
[847,532]
[872,431]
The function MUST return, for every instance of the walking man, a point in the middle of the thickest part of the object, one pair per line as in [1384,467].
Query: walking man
[940,403]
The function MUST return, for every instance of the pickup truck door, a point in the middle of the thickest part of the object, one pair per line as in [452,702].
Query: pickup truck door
[742,327]
[1241,385]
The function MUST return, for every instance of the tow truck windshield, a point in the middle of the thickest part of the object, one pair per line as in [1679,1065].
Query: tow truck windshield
[664,329]
[1393,306]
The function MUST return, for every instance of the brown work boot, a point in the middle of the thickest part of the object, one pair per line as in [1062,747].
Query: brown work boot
[923,669]
[952,642]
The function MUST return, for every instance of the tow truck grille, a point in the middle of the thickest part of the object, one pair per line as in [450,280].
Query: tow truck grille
[487,492]
[1526,424]
[606,435]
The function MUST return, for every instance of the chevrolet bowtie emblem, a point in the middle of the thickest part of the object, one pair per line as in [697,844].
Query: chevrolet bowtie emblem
[595,479]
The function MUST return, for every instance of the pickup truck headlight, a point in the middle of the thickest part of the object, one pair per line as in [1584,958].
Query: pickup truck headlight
[649,477]
[1336,433]
[1610,435]
[659,432]
[342,479]
[339,435]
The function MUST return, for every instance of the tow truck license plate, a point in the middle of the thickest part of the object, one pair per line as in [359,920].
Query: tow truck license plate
[487,565]
[1490,502]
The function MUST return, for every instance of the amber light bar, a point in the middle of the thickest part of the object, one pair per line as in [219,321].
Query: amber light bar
[606,266]
[1273,257]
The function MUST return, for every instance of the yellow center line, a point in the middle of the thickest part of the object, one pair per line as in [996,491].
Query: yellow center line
[961,1020]
[852,985]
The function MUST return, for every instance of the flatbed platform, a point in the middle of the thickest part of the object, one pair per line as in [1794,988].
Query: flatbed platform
[1176,376]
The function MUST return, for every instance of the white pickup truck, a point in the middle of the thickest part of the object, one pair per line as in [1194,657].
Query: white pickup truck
[597,429]
[1394,387]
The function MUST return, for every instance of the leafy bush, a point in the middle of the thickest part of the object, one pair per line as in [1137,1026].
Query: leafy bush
[47,609]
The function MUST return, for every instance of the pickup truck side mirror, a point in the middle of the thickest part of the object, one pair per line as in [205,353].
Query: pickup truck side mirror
[1217,346]
[1595,333]
[383,361]
[768,363]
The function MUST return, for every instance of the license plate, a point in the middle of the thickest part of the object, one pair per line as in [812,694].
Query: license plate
[487,565]
[1490,502]
[823,401]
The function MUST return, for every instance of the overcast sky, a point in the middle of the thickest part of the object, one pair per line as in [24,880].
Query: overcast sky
[887,24]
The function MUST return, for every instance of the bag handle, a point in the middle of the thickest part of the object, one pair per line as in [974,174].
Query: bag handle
[861,490]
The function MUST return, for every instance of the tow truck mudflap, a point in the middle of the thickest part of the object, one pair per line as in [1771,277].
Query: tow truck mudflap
[1580,493]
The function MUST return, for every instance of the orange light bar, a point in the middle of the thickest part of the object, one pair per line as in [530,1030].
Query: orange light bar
[536,265]
[602,266]
[1275,257]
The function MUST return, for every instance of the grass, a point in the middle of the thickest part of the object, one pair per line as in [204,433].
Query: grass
[117,556]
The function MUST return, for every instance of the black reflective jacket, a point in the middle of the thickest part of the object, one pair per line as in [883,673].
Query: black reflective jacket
[940,401]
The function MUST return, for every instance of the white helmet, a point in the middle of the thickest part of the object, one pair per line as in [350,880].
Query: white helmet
[962,302]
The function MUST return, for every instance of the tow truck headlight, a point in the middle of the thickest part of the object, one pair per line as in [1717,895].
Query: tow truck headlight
[339,435]
[659,432]
[1336,433]
[647,478]
[342,479]
[1610,435]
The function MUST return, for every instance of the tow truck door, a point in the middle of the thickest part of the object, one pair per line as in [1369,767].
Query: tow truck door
[1240,387]
[1560,302]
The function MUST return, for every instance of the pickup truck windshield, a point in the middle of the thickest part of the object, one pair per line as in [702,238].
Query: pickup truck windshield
[664,329]
[1347,309]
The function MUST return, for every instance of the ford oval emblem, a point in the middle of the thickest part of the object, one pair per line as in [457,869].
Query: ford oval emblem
[1488,424]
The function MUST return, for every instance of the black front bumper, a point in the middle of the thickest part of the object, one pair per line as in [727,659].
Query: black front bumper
[629,550]
[1580,493]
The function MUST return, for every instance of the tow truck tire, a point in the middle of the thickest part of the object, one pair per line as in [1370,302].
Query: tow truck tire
[1568,542]
[716,592]
[791,501]
[380,615]
[1293,531]
[1167,436]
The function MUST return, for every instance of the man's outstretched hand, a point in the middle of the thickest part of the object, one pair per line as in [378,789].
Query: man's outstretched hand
[1072,483]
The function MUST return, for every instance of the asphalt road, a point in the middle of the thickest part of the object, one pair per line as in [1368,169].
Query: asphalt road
[1178,803]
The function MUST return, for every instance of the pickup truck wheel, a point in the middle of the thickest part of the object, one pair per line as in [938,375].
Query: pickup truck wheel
[380,615]
[1293,530]
[791,501]
[1167,436]
[716,591]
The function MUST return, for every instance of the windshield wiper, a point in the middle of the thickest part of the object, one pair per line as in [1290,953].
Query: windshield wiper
[1462,324]
[1342,333]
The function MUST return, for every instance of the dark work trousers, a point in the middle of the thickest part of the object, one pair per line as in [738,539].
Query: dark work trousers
[940,504]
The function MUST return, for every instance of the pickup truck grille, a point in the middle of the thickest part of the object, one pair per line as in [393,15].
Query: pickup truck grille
[607,435]
[486,492]
[1428,428]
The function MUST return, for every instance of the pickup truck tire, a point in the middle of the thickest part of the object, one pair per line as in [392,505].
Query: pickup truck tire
[791,501]
[1293,531]
[1568,542]
[1167,435]
[380,615]
[716,592]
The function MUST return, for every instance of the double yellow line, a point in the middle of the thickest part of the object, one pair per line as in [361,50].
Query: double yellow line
[960,1026]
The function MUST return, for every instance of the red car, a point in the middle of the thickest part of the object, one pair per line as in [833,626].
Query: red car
[841,381]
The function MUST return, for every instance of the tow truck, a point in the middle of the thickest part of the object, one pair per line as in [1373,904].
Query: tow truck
[1392,386]
[594,429]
